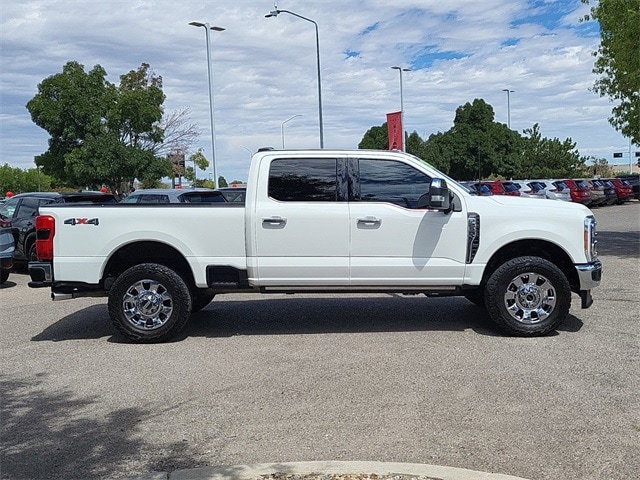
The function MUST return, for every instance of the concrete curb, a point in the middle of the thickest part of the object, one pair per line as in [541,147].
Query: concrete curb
[252,472]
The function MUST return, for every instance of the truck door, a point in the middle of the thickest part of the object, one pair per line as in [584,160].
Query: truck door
[302,223]
[393,242]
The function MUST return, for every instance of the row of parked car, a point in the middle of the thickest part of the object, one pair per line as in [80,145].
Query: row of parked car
[592,192]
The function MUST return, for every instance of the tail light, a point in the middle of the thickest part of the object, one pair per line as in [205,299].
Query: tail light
[45,230]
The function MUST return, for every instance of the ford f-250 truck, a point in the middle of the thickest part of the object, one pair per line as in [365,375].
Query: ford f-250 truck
[323,221]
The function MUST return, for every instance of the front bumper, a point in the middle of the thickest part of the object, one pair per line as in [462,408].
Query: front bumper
[589,276]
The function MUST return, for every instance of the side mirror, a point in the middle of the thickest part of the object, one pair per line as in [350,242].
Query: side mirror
[438,196]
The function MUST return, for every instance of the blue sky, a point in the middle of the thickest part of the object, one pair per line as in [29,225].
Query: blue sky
[265,68]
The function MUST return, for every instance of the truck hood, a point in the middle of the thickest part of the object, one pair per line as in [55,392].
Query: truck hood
[480,204]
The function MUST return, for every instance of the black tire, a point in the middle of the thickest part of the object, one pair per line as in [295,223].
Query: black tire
[528,296]
[475,296]
[4,276]
[149,303]
[32,255]
[200,300]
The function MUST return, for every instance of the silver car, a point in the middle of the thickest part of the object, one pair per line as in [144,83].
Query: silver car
[556,190]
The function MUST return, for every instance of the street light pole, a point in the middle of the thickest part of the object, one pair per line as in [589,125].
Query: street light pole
[207,28]
[275,13]
[508,106]
[282,127]
[400,69]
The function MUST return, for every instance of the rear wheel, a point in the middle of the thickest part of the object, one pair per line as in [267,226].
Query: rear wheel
[528,296]
[149,303]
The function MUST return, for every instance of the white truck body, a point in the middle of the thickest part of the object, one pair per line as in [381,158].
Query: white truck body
[342,245]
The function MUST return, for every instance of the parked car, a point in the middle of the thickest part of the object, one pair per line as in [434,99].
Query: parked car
[623,189]
[503,187]
[530,188]
[21,211]
[598,197]
[476,188]
[609,191]
[7,247]
[233,194]
[175,195]
[579,191]
[634,180]
[556,190]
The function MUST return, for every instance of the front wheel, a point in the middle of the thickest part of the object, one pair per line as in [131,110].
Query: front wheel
[528,296]
[149,303]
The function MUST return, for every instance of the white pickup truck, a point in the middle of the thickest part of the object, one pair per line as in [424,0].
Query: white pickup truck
[323,221]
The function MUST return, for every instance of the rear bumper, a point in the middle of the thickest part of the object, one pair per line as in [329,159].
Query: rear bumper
[41,274]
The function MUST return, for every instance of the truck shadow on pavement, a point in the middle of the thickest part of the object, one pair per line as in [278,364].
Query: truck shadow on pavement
[57,436]
[302,315]
[619,244]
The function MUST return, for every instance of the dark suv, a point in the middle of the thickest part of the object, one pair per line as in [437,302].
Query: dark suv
[21,211]
[634,180]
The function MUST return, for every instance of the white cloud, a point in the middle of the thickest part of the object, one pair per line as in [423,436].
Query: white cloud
[265,68]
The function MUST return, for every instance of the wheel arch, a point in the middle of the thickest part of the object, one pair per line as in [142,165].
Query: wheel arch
[136,253]
[534,247]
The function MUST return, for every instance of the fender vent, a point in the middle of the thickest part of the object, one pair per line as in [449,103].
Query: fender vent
[473,235]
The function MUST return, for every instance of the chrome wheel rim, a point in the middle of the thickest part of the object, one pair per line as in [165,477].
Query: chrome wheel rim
[530,298]
[147,305]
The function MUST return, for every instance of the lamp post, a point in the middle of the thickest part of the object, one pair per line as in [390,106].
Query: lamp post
[275,13]
[508,106]
[282,127]
[400,69]
[213,128]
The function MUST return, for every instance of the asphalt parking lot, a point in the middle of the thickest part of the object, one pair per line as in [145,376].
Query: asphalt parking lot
[264,379]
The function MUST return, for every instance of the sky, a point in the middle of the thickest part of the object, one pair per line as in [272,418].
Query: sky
[265,70]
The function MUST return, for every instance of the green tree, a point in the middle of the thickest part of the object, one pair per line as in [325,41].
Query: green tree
[101,134]
[200,161]
[476,146]
[16,180]
[618,61]
[376,138]
[547,158]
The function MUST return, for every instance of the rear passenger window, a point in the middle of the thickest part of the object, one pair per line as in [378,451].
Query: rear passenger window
[303,180]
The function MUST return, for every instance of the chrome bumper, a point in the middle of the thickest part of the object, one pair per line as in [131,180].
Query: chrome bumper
[589,276]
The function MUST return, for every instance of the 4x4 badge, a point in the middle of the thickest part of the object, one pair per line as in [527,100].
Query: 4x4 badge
[81,221]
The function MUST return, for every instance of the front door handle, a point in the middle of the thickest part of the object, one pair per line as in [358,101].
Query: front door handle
[274,220]
[369,221]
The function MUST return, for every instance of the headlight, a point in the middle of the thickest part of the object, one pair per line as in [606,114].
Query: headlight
[590,241]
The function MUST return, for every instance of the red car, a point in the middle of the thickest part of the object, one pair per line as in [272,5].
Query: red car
[579,190]
[623,189]
[503,187]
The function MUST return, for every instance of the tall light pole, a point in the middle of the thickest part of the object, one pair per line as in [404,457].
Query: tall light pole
[275,13]
[282,127]
[213,128]
[508,106]
[400,69]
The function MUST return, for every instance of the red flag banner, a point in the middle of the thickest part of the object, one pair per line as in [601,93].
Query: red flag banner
[394,130]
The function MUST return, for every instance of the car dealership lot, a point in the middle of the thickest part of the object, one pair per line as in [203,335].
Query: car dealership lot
[280,378]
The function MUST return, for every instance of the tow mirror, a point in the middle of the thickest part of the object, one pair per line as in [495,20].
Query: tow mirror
[438,196]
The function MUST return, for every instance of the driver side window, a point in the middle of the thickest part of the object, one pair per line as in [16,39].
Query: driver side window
[391,181]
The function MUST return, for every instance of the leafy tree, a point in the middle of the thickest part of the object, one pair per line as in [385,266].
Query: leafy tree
[376,138]
[547,158]
[101,134]
[618,61]
[222,182]
[16,180]
[200,161]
